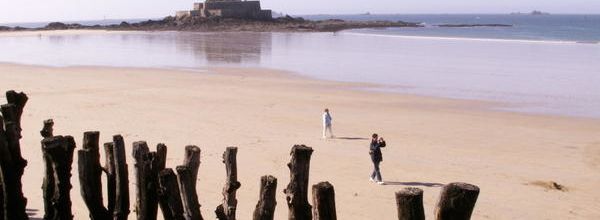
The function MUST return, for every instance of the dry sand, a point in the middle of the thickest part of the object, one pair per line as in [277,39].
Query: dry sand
[431,141]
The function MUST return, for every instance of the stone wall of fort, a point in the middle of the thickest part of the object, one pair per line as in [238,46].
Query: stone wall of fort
[229,9]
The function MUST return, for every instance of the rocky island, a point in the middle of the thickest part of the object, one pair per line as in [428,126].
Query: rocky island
[284,24]
[229,15]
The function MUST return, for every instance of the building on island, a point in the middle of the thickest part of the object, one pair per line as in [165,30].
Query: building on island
[228,9]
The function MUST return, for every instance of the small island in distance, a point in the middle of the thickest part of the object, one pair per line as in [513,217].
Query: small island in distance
[535,12]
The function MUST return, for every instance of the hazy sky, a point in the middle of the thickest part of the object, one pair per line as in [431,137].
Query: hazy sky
[71,10]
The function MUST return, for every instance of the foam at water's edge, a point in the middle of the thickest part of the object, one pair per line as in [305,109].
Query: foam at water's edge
[416,37]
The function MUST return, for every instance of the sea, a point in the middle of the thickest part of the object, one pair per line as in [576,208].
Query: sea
[544,64]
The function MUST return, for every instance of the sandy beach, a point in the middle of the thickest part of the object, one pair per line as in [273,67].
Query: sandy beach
[431,141]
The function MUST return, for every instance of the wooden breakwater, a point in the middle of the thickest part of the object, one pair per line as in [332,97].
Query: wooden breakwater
[172,190]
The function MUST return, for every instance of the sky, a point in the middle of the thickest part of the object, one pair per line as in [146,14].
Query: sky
[13,11]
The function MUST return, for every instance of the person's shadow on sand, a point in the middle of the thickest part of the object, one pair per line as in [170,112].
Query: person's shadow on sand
[394,183]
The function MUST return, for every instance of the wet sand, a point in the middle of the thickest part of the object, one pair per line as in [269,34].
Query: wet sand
[548,77]
[431,141]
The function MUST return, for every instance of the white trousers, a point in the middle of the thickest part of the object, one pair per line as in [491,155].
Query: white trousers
[327,128]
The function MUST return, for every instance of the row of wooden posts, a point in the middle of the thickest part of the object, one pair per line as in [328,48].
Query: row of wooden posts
[174,191]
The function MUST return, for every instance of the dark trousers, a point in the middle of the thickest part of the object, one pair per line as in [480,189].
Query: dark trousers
[376,175]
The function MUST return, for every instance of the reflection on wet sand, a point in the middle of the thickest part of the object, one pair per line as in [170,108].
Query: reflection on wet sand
[206,48]
[229,47]
[225,48]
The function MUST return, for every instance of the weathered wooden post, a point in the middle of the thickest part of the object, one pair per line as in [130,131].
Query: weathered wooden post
[297,190]
[12,164]
[169,196]
[409,202]
[111,177]
[141,166]
[324,201]
[18,99]
[161,157]
[48,184]
[457,201]
[12,113]
[90,176]
[191,160]
[186,177]
[48,129]
[265,209]
[13,201]
[147,166]
[59,150]
[226,211]
[121,179]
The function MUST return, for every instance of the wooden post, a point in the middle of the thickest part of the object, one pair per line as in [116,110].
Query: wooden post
[161,157]
[14,205]
[140,154]
[90,176]
[168,188]
[410,204]
[297,190]
[111,177]
[187,175]
[12,113]
[3,148]
[146,172]
[169,196]
[59,150]
[11,161]
[226,211]
[13,164]
[265,209]
[324,201]
[189,197]
[457,201]
[13,136]
[158,163]
[18,99]
[192,160]
[48,183]
[121,179]
[48,130]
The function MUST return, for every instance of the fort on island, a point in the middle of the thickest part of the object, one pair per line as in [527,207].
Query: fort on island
[228,9]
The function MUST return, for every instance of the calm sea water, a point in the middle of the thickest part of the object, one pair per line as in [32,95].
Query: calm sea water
[579,28]
[549,76]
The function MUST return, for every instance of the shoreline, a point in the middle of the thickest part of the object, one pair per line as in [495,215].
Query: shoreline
[477,105]
[475,39]
[361,87]
[375,88]
[347,31]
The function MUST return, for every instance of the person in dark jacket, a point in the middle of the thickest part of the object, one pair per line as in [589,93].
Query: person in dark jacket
[375,152]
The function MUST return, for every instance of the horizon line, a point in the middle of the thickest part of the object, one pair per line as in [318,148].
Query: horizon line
[298,15]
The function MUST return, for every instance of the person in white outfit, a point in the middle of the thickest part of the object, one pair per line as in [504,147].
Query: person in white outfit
[327,124]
